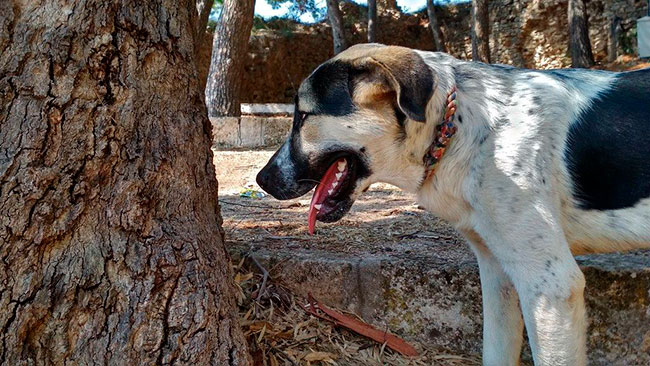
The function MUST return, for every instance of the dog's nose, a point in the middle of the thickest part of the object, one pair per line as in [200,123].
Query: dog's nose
[263,178]
[270,180]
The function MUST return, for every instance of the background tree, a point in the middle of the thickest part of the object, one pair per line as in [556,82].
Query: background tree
[229,49]
[336,22]
[203,7]
[438,37]
[579,44]
[480,32]
[110,234]
[372,21]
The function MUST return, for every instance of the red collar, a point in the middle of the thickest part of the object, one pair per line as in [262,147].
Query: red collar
[444,132]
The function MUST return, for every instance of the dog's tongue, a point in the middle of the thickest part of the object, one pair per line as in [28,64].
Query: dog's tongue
[326,188]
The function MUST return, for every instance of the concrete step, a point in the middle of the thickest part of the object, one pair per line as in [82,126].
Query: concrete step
[406,271]
[249,131]
[432,296]
[259,109]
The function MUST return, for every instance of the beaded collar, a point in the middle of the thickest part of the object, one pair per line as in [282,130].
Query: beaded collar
[444,132]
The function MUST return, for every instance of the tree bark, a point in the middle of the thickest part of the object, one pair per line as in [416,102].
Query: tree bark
[336,22]
[110,232]
[229,49]
[203,8]
[612,41]
[579,44]
[480,31]
[438,38]
[372,21]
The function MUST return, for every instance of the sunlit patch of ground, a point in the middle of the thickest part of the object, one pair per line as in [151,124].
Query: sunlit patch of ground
[625,63]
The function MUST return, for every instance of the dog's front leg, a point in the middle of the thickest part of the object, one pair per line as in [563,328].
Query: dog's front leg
[535,256]
[502,321]
[553,307]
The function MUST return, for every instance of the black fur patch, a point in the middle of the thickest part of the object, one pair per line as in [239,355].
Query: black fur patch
[331,89]
[608,150]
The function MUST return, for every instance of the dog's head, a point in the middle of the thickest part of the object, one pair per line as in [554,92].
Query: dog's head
[352,118]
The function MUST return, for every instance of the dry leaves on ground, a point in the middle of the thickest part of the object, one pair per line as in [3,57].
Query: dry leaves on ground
[280,333]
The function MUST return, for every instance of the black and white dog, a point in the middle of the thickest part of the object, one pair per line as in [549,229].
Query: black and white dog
[537,166]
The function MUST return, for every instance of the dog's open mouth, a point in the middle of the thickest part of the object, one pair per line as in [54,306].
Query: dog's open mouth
[331,199]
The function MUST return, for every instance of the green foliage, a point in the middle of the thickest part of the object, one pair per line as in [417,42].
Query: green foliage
[214,14]
[259,23]
[212,24]
[283,26]
[299,7]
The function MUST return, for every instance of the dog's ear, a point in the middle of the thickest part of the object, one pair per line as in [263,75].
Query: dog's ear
[395,71]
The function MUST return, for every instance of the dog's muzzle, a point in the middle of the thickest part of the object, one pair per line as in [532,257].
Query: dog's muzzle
[285,176]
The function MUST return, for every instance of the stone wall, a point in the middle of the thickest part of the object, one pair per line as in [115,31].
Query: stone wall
[524,33]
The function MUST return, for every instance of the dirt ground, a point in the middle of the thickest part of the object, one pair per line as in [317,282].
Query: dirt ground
[381,220]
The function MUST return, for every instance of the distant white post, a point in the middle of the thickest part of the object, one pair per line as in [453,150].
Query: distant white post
[643,34]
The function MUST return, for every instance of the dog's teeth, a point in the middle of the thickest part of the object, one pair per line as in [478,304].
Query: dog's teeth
[330,191]
[334,184]
[318,207]
[342,165]
[338,176]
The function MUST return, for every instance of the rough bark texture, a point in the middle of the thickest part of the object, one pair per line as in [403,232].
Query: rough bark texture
[229,49]
[480,31]
[438,37]
[336,22]
[579,44]
[110,234]
[612,38]
[372,21]
[203,8]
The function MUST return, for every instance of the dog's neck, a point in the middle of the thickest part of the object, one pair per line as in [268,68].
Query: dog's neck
[444,132]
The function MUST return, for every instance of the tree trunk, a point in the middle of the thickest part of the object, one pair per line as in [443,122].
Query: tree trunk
[336,21]
[229,50]
[438,37]
[579,44]
[614,33]
[480,31]
[203,8]
[372,21]
[110,233]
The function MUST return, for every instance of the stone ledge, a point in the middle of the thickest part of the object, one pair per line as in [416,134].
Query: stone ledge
[258,109]
[249,131]
[435,299]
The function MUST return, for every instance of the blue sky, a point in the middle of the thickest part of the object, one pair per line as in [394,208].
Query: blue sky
[263,9]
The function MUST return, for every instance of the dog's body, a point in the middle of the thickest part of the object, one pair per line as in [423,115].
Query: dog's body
[545,164]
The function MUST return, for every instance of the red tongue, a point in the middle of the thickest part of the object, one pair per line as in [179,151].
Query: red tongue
[320,194]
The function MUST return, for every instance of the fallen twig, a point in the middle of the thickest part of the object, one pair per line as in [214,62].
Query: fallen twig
[265,277]
[382,337]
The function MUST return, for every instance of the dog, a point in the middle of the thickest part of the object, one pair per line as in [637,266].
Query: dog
[531,167]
